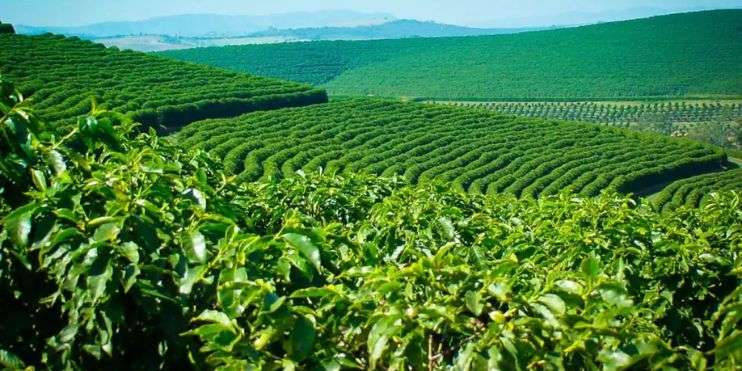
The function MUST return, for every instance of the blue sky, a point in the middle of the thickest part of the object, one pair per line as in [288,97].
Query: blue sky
[78,12]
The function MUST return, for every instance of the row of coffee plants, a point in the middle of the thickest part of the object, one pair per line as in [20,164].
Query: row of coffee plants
[119,250]
[65,75]
[696,191]
[472,150]
[617,113]
[718,123]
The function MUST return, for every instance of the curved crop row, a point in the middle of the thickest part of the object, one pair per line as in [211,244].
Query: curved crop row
[694,191]
[64,76]
[617,113]
[470,150]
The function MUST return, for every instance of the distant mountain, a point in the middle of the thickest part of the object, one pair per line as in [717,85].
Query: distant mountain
[585,18]
[398,29]
[201,25]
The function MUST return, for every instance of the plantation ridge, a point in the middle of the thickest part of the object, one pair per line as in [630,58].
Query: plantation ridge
[564,199]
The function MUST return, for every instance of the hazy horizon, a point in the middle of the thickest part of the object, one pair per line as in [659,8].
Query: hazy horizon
[463,12]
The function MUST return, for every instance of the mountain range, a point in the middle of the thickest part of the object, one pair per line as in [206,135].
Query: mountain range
[201,25]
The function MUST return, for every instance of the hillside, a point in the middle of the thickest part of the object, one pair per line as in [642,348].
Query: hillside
[471,151]
[681,55]
[64,76]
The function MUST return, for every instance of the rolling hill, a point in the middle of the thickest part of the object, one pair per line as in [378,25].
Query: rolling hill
[681,55]
[64,76]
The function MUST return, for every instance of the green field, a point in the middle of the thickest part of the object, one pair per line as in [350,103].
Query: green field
[472,151]
[715,122]
[682,55]
[65,75]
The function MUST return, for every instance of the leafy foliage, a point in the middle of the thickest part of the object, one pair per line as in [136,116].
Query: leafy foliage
[65,75]
[692,54]
[124,251]
[471,150]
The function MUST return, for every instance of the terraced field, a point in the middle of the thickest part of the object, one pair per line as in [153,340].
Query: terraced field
[695,191]
[473,150]
[64,75]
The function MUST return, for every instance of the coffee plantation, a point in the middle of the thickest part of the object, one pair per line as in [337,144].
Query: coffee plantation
[679,55]
[119,249]
[472,151]
[65,75]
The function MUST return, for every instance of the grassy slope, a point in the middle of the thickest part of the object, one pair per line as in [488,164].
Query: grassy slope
[693,54]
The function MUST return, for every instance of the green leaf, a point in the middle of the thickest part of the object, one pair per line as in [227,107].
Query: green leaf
[18,223]
[106,232]
[302,338]
[10,360]
[378,337]
[554,303]
[130,251]
[56,161]
[192,275]
[614,360]
[39,179]
[195,247]
[272,302]
[312,292]
[729,346]
[590,266]
[474,302]
[305,246]
[214,316]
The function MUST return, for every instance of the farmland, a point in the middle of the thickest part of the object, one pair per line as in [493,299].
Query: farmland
[473,151]
[265,227]
[66,75]
[124,249]
[681,55]
[716,122]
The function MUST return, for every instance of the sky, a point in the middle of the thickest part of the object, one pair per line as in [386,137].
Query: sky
[463,12]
